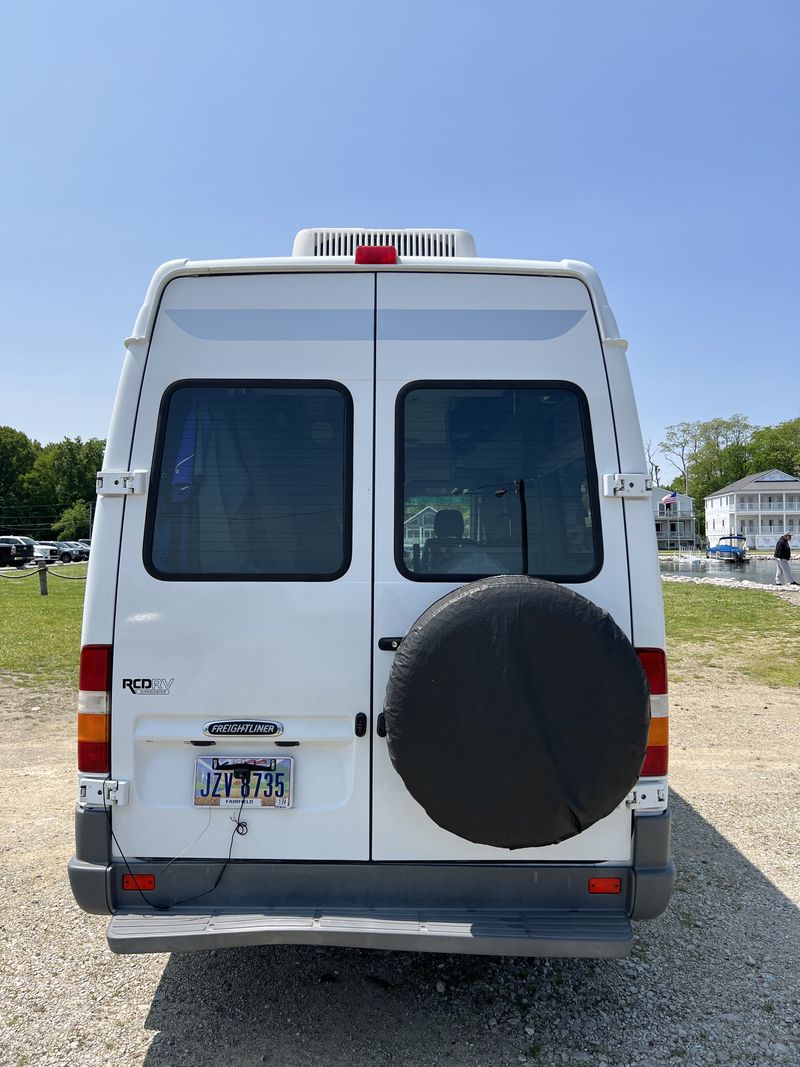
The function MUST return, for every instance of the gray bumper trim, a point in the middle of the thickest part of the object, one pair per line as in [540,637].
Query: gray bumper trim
[91,886]
[502,933]
[653,869]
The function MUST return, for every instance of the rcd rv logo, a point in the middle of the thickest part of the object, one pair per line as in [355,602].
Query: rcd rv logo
[148,687]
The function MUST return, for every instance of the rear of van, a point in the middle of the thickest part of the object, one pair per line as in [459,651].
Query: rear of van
[373,647]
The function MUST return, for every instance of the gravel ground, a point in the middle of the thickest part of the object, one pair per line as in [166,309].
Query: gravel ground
[714,980]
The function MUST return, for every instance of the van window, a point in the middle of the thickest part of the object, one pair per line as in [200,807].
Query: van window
[496,480]
[252,480]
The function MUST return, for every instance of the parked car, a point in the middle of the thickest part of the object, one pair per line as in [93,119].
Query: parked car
[65,551]
[45,551]
[8,554]
[450,739]
[78,547]
[85,541]
[23,549]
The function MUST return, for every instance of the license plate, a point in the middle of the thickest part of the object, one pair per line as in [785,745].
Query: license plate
[243,781]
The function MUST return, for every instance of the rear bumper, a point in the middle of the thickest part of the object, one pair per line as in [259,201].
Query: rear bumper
[502,909]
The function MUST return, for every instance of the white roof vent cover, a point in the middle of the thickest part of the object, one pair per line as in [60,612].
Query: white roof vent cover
[343,241]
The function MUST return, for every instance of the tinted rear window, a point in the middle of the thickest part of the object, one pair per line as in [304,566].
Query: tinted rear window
[252,480]
[496,481]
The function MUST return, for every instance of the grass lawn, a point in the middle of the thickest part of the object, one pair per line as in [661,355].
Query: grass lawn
[743,630]
[40,636]
[707,626]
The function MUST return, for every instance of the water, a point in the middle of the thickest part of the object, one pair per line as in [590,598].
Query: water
[755,570]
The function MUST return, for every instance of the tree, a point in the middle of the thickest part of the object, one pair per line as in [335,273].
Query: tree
[74,522]
[17,456]
[709,455]
[655,470]
[680,445]
[776,448]
[64,472]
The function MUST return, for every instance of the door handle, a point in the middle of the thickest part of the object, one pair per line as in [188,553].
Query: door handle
[389,644]
[381,725]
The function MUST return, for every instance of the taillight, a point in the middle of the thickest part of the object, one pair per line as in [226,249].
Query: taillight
[94,706]
[656,760]
[376,254]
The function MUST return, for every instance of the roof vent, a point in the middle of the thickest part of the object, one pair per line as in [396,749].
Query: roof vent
[343,241]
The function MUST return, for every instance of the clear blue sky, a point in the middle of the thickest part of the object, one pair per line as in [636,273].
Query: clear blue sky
[658,141]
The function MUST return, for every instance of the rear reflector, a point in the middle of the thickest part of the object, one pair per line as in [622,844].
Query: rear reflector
[94,695]
[139,881]
[376,254]
[605,885]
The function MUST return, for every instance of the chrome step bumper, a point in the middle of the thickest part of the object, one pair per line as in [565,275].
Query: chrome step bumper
[505,932]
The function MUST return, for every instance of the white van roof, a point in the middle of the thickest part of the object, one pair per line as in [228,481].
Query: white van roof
[418,250]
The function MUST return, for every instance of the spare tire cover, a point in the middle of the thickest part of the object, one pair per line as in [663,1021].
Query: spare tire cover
[517,712]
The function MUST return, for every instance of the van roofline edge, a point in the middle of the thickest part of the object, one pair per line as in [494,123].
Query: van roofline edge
[566,268]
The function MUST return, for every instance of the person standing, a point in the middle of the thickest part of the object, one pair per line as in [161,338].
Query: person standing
[783,553]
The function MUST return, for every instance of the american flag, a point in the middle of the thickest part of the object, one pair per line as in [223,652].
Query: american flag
[669,498]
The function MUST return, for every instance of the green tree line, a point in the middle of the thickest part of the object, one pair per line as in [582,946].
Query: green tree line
[710,455]
[47,491]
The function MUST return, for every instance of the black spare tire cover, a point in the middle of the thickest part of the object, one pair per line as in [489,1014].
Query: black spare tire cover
[517,712]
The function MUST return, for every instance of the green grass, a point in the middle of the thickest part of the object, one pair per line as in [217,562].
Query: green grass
[708,627]
[40,635]
[742,630]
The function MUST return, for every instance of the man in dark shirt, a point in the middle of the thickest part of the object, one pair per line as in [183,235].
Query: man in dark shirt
[783,553]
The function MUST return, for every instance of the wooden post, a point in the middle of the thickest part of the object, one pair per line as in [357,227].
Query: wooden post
[43,577]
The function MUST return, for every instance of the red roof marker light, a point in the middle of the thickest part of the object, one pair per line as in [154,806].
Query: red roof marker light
[376,254]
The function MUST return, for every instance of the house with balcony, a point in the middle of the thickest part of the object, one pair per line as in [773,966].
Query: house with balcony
[674,518]
[761,506]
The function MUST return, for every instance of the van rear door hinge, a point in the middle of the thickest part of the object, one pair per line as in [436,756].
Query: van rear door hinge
[630,486]
[121,483]
[103,792]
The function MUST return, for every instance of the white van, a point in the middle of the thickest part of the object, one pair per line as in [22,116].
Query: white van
[373,648]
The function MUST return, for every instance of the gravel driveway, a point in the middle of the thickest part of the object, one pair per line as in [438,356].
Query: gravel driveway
[715,980]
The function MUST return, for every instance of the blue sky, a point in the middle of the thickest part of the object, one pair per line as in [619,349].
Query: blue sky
[658,141]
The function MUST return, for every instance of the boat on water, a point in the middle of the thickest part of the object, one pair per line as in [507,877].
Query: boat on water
[732,549]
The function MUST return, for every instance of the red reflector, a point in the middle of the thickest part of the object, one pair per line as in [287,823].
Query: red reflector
[654,662]
[95,671]
[605,885]
[656,761]
[376,254]
[138,881]
[94,756]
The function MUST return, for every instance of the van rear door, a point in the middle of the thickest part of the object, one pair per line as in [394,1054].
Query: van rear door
[244,591]
[487,386]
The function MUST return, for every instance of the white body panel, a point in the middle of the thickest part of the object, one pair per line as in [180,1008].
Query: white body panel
[401,828]
[295,652]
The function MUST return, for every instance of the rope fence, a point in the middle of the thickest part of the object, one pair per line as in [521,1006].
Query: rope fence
[43,570]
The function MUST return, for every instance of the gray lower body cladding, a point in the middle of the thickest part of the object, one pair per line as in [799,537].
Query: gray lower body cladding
[503,909]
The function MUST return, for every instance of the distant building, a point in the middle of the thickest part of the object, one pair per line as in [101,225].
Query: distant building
[760,506]
[419,527]
[674,518]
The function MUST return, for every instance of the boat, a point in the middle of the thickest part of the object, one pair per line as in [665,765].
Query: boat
[732,549]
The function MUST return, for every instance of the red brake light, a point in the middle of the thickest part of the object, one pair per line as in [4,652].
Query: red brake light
[654,661]
[95,669]
[376,254]
[656,762]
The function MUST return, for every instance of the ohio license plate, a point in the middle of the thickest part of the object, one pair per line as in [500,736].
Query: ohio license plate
[243,781]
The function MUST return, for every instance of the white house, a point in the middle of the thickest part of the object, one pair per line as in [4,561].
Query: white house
[760,506]
[674,519]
